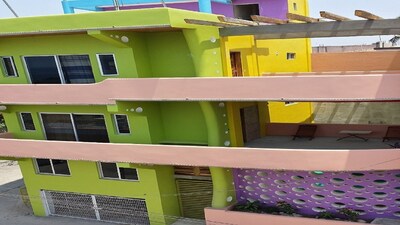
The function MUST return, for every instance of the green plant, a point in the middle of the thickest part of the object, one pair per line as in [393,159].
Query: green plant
[249,207]
[350,214]
[325,215]
[285,207]
[3,127]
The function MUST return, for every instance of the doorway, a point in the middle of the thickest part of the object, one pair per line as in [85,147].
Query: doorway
[246,11]
[236,64]
[250,121]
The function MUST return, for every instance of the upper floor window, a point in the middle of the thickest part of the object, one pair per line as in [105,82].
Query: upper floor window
[27,121]
[294,6]
[75,127]
[8,66]
[63,69]
[122,124]
[108,66]
[52,166]
[113,171]
[290,56]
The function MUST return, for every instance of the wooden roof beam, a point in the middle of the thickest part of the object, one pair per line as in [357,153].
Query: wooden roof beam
[237,21]
[366,15]
[332,16]
[270,20]
[292,16]
[208,23]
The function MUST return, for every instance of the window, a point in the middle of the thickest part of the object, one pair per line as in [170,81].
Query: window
[290,103]
[9,66]
[290,56]
[112,171]
[52,166]
[107,64]
[75,127]
[65,69]
[27,121]
[122,124]
[294,6]
[246,11]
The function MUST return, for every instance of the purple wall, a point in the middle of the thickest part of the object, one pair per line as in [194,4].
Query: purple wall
[373,193]
[270,8]
[217,8]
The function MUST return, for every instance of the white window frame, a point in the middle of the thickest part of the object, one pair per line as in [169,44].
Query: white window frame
[118,172]
[72,121]
[116,124]
[14,68]
[52,168]
[291,55]
[23,122]
[101,68]
[58,64]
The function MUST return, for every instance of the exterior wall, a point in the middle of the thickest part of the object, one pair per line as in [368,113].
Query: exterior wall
[271,8]
[263,56]
[372,194]
[356,61]
[85,179]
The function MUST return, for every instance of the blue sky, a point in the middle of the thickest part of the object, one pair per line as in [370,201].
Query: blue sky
[384,8]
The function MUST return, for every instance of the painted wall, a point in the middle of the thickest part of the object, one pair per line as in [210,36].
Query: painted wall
[372,194]
[356,61]
[85,179]
[270,8]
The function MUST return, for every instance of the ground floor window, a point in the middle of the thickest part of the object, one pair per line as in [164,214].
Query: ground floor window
[113,171]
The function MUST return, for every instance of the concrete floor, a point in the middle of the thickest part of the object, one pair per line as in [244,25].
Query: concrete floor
[14,212]
[286,142]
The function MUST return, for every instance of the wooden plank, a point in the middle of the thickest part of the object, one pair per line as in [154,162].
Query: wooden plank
[366,15]
[270,20]
[311,30]
[237,21]
[292,16]
[208,23]
[332,16]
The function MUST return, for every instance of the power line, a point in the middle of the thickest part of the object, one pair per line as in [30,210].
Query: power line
[10,8]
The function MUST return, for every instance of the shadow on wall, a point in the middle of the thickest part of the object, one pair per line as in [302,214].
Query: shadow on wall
[357,113]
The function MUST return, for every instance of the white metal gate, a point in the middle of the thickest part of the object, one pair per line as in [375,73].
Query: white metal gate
[96,207]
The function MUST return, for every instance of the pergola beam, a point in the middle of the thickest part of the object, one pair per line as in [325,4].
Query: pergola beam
[270,20]
[292,16]
[237,21]
[322,29]
[331,16]
[208,23]
[366,15]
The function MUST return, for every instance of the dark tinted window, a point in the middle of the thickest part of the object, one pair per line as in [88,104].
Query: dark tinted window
[122,124]
[27,121]
[91,128]
[107,64]
[128,173]
[58,127]
[76,69]
[44,165]
[9,67]
[60,167]
[43,69]
[109,170]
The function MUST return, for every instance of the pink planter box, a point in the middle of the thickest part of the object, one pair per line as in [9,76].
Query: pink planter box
[224,216]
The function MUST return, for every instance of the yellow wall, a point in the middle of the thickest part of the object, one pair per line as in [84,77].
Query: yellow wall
[266,56]
[302,7]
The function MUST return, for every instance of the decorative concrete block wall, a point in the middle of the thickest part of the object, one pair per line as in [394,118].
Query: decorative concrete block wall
[371,193]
